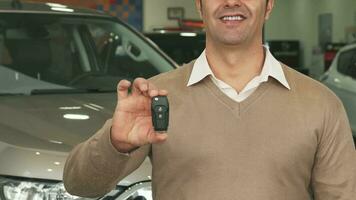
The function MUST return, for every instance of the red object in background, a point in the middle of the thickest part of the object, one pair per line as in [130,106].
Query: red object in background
[329,56]
[330,53]
[328,59]
[184,25]
[191,24]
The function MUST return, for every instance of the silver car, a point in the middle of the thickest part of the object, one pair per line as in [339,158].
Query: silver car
[59,67]
[341,78]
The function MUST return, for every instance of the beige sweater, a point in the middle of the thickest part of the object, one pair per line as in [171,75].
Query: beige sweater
[278,144]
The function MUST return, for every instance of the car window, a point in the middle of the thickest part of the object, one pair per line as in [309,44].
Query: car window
[347,63]
[60,52]
[119,55]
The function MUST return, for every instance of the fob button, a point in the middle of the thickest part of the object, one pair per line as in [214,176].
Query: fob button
[160,108]
[156,99]
[160,116]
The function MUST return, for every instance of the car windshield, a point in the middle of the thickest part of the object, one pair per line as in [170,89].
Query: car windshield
[57,53]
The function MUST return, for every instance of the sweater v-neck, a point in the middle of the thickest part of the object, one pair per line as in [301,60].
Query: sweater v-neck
[238,107]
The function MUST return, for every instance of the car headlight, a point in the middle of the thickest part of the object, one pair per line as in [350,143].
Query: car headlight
[33,190]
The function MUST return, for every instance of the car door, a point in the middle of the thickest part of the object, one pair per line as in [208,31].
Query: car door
[345,83]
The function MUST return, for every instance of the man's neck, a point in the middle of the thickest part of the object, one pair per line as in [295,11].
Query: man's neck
[235,65]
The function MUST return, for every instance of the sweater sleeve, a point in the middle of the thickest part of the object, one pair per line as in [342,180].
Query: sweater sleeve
[334,171]
[94,167]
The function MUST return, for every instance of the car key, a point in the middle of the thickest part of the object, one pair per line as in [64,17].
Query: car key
[160,113]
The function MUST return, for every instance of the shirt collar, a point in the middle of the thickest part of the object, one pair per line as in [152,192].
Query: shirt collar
[272,67]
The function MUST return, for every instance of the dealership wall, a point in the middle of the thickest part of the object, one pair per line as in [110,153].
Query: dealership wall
[298,20]
[155,12]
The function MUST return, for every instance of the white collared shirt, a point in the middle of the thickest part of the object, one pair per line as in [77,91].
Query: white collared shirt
[271,67]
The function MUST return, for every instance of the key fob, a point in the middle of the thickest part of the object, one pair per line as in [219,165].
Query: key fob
[160,113]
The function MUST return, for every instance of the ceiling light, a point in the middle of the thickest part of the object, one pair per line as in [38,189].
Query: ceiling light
[38,153]
[50,170]
[57,163]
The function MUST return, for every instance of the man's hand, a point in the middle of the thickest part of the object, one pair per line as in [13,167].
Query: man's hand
[132,121]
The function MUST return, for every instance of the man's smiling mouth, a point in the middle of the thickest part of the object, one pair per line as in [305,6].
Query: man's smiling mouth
[233,18]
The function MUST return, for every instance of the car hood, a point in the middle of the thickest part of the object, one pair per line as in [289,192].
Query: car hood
[37,132]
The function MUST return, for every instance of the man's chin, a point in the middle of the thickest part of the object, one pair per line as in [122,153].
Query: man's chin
[231,38]
[232,41]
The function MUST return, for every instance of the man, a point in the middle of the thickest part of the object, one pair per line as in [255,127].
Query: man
[243,126]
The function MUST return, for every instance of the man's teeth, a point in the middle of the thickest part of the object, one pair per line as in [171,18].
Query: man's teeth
[233,18]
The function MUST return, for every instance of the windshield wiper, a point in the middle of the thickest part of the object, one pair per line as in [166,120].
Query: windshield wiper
[70,91]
